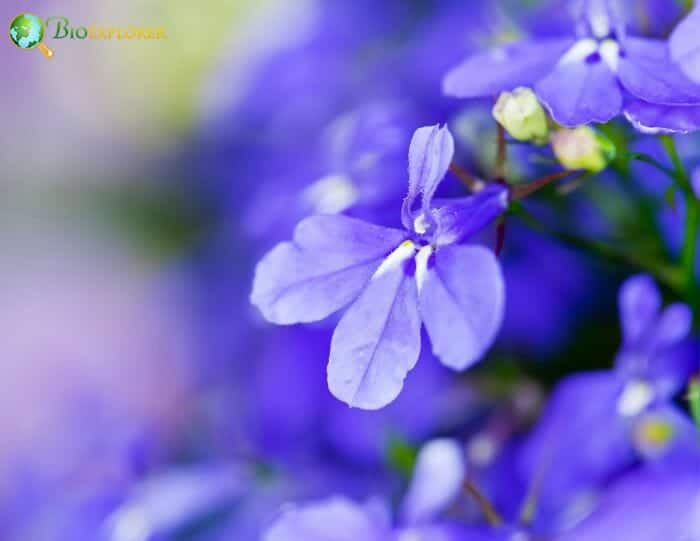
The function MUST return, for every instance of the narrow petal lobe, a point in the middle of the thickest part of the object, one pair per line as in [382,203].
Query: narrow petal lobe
[429,158]
[639,304]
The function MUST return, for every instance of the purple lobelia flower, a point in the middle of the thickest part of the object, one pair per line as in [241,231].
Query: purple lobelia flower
[592,77]
[598,423]
[398,279]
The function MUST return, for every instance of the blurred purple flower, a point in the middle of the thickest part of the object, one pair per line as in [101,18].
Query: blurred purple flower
[593,77]
[685,45]
[436,484]
[646,505]
[597,423]
[162,505]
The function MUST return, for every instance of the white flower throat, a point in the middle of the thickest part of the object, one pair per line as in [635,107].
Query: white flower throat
[590,49]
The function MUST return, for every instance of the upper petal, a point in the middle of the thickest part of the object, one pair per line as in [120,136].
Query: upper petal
[581,92]
[505,68]
[377,342]
[324,268]
[647,72]
[336,519]
[639,304]
[685,45]
[600,18]
[429,158]
[459,219]
[672,327]
[462,303]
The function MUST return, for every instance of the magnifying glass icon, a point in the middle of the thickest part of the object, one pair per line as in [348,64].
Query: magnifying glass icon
[27,32]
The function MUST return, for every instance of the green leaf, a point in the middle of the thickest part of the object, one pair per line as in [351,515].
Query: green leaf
[401,455]
[694,399]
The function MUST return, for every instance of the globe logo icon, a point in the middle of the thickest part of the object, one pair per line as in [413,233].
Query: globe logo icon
[27,32]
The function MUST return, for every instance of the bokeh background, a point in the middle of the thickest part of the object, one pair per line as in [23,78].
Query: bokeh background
[141,397]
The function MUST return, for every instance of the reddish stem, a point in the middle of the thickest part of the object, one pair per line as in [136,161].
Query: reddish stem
[523,190]
[465,177]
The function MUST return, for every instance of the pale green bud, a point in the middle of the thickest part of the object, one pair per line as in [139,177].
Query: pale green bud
[583,149]
[522,116]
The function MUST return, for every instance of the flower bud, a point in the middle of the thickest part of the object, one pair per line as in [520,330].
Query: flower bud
[583,148]
[522,116]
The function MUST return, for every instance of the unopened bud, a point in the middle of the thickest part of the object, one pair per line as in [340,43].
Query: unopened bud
[522,116]
[583,149]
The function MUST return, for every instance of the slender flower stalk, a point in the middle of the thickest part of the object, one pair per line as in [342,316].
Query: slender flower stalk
[692,224]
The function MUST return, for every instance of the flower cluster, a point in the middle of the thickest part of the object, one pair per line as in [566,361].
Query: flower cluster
[612,433]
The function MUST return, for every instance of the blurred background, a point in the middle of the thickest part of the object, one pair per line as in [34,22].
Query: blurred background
[141,396]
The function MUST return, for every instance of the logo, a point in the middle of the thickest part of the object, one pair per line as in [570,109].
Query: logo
[27,32]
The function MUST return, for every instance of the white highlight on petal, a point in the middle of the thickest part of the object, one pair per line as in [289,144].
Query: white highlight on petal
[580,506]
[519,536]
[481,450]
[600,25]
[646,130]
[420,224]
[405,250]
[410,535]
[331,194]
[695,520]
[635,397]
[610,53]
[608,49]
[581,50]
[130,524]
[422,265]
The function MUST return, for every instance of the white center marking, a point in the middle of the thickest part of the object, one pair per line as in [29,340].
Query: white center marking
[405,251]
[422,265]
[635,397]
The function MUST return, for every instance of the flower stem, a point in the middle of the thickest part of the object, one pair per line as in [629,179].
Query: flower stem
[521,191]
[487,509]
[665,274]
[692,222]
[501,154]
[645,158]
[465,177]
